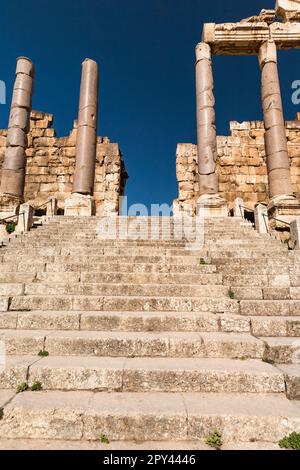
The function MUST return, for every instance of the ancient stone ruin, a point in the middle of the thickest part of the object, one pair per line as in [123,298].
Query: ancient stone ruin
[83,172]
[154,339]
[257,162]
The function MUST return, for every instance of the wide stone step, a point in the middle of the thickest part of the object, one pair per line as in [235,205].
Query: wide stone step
[135,344]
[114,289]
[123,303]
[270,307]
[135,278]
[109,251]
[262,269]
[142,416]
[170,260]
[268,293]
[136,321]
[123,374]
[58,267]
[151,321]
[257,280]
[16,277]
[39,444]
[276,326]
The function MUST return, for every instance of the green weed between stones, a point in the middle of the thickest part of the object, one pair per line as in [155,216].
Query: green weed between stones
[291,442]
[37,387]
[10,227]
[231,295]
[43,354]
[24,387]
[215,440]
[104,439]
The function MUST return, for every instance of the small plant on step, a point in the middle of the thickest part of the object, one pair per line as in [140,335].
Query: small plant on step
[104,439]
[22,387]
[37,387]
[231,294]
[202,261]
[10,227]
[291,442]
[43,353]
[215,440]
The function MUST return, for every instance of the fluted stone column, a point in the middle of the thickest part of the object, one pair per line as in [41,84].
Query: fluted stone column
[207,135]
[14,165]
[81,202]
[283,203]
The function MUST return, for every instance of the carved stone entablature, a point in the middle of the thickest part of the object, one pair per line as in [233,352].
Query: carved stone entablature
[246,38]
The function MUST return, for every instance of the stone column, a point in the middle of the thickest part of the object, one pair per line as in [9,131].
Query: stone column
[14,165]
[275,136]
[283,201]
[206,129]
[206,134]
[81,202]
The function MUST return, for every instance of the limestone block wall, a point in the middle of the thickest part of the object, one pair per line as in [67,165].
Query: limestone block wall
[51,165]
[241,165]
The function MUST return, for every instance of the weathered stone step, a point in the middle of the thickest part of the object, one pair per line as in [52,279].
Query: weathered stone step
[142,416]
[16,277]
[39,444]
[59,243]
[123,303]
[135,344]
[276,326]
[151,321]
[123,374]
[98,249]
[115,289]
[135,278]
[231,269]
[267,293]
[255,262]
[59,267]
[170,260]
[270,307]
[256,280]
[134,321]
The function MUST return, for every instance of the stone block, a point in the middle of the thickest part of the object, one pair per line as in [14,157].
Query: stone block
[79,205]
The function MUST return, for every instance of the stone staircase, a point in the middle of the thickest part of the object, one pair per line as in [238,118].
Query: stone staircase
[148,341]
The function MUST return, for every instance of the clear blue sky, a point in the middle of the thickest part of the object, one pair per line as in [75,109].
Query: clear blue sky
[145,50]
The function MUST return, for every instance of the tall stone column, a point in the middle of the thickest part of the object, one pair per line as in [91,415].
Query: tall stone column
[14,165]
[81,202]
[206,135]
[283,201]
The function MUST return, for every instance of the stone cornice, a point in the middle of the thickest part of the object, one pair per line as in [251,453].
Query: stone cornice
[245,38]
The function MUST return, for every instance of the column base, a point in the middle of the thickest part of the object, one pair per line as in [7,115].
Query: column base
[212,205]
[283,208]
[80,205]
[9,205]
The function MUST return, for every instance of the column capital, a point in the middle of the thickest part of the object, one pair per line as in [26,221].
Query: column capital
[267,53]
[203,51]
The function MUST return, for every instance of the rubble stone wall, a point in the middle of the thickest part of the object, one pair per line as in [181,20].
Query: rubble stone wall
[241,165]
[51,165]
